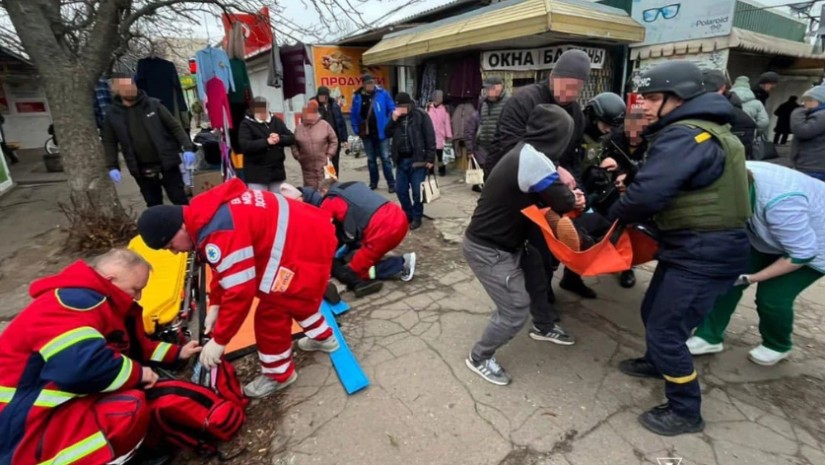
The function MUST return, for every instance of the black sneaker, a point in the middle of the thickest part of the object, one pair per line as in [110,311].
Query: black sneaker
[627,279]
[557,335]
[372,188]
[573,283]
[392,190]
[476,188]
[663,421]
[490,370]
[365,288]
[639,367]
[442,170]
[415,224]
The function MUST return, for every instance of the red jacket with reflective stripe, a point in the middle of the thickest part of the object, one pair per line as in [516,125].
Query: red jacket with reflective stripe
[68,343]
[258,244]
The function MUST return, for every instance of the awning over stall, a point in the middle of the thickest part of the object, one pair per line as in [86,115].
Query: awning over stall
[514,19]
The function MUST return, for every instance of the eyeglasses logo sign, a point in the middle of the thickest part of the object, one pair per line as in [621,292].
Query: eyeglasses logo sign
[666,12]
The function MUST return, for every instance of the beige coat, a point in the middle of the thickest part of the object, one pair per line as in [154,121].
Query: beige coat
[315,143]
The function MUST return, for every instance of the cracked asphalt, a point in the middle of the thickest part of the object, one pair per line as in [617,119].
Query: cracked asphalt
[566,405]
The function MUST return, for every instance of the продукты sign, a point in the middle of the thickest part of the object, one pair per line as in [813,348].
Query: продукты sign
[536,58]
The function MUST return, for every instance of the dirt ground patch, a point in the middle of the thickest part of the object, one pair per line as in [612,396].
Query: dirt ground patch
[801,398]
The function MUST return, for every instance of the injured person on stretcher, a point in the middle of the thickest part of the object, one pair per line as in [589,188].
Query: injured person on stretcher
[75,366]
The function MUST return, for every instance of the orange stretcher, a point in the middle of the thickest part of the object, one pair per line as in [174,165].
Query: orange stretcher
[603,258]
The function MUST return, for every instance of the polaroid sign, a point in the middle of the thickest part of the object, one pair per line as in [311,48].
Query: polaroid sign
[676,21]
[536,58]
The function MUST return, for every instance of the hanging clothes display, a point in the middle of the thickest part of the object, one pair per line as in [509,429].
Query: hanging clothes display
[159,79]
[238,98]
[294,59]
[217,104]
[213,62]
[465,78]
[428,83]
[235,41]
[275,78]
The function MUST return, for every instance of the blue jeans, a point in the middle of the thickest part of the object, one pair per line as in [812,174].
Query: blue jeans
[374,149]
[410,178]
[816,174]
[388,267]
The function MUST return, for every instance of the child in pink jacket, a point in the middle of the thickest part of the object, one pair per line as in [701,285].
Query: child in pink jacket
[442,125]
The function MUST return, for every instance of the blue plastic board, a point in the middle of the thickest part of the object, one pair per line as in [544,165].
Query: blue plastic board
[350,374]
[338,309]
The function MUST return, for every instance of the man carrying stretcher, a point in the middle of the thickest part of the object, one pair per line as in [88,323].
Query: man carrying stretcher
[258,244]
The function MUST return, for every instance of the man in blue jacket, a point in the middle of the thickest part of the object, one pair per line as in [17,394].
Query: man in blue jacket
[372,108]
[694,187]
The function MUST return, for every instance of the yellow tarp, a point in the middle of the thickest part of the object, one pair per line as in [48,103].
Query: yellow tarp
[162,297]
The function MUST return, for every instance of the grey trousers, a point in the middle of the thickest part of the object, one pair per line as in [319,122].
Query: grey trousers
[501,276]
[274,187]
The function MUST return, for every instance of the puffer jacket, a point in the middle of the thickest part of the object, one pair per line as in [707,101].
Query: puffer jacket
[808,145]
[263,163]
[441,124]
[315,143]
[753,107]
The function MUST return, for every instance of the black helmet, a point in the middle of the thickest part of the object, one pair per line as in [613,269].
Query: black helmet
[682,78]
[608,108]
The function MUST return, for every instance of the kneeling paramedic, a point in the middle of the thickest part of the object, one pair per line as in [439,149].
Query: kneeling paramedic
[71,366]
[258,244]
[372,226]
[694,186]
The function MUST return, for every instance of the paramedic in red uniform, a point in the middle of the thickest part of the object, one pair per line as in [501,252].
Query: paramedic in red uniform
[70,366]
[369,223]
[258,244]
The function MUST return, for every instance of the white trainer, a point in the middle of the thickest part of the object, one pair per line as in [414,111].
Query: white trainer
[311,345]
[409,267]
[263,386]
[698,346]
[761,355]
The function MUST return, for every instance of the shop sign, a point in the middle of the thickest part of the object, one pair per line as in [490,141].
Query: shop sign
[713,60]
[536,58]
[340,69]
[676,21]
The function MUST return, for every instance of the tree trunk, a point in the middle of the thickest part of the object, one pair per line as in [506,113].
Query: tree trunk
[71,98]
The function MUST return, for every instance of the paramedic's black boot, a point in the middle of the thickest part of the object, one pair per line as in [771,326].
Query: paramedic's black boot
[627,279]
[354,283]
[573,283]
[639,368]
[663,421]
[331,295]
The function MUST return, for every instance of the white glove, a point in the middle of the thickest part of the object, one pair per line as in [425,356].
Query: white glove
[211,354]
[742,280]
[211,318]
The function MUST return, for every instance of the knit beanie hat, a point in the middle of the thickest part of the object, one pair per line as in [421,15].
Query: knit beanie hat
[549,130]
[159,224]
[572,64]
[403,98]
[713,79]
[768,78]
[815,93]
[323,90]
[311,107]
[367,79]
[742,81]
[493,81]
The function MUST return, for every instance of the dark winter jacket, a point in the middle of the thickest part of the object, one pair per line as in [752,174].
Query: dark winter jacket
[331,113]
[742,125]
[783,116]
[808,146]
[421,136]
[761,94]
[513,120]
[677,161]
[263,163]
[165,132]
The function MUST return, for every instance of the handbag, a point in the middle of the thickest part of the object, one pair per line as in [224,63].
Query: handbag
[448,155]
[763,149]
[429,189]
[474,175]
[329,171]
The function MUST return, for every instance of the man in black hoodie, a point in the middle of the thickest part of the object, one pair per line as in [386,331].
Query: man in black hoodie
[494,242]
[765,85]
[694,186]
[742,125]
[151,140]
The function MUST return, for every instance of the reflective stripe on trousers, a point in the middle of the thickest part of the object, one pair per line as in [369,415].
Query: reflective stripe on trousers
[277,252]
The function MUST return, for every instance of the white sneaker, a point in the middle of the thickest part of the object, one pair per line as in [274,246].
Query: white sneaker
[263,386]
[311,345]
[761,355]
[409,267]
[698,346]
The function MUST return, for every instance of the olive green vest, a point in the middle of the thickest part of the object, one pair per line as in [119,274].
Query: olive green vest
[723,204]
[592,152]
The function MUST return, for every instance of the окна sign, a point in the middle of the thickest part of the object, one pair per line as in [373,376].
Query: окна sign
[535,58]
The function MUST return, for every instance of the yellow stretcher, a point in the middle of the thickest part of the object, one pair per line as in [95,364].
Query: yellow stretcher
[166,291]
